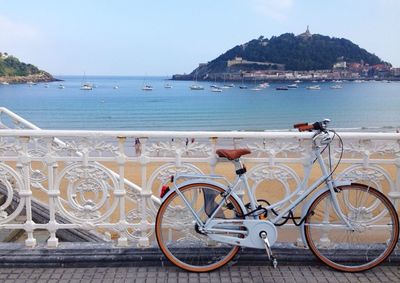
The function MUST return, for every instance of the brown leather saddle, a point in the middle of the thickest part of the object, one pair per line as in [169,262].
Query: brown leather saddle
[232,154]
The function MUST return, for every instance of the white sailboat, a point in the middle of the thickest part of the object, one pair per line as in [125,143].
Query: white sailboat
[86,85]
[196,86]
[256,87]
[216,89]
[243,86]
[313,87]
[147,88]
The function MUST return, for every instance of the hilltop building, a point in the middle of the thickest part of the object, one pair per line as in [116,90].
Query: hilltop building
[306,34]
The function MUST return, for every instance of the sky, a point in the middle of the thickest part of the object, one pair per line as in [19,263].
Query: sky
[165,37]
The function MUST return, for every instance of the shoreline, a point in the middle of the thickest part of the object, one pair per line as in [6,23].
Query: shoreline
[282,80]
[37,78]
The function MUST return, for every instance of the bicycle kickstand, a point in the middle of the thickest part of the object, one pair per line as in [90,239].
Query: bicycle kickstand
[270,255]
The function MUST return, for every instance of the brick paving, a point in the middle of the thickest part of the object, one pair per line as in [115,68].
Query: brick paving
[233,274]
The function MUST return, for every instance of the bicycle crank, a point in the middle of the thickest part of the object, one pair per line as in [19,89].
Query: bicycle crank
[270,255]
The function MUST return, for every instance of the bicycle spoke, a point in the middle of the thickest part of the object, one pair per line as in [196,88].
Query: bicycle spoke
[179,236]
[369,239]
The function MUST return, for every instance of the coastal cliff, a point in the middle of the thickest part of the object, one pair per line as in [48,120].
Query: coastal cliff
[14,71]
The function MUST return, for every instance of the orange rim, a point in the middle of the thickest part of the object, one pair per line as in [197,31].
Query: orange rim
[374,263]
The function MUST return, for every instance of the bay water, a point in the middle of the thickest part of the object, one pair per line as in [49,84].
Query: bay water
[370,104]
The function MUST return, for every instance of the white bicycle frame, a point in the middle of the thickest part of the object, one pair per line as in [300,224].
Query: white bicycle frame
[230,189]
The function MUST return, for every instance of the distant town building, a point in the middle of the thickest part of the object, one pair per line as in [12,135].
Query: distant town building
[340,65]
[235,61]
[357,67]
[240,61]
[395,72]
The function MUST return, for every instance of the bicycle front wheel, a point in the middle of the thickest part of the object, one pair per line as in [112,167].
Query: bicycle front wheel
[178,234]
[368,240]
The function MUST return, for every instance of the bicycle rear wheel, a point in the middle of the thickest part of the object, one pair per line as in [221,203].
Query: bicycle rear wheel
[178,235]
[370,240]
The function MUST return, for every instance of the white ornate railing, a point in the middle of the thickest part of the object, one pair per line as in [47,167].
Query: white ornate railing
[108,182]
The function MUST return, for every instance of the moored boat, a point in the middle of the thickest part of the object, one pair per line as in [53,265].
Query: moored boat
[263,85]
[313,87]
[216,89]
[282,88]
[147,88]
[196,87]
[87,86]
[292,86]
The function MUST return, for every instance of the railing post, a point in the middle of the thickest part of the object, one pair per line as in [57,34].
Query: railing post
[26,193]
[395,194]
[120,192]
[144,194]
[307,167]
[213,156]
[53,194]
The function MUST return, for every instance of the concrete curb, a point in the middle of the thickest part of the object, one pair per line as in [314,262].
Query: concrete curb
[105,254]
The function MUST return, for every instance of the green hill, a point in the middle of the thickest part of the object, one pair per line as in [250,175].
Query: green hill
[14,71]
[288,52]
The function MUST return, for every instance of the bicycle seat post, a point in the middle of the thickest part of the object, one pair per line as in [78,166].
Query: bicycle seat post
[239,167]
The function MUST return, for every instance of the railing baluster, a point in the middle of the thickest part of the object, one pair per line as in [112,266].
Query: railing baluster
[26,192]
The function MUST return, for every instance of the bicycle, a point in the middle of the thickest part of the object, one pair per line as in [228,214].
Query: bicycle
[202,223]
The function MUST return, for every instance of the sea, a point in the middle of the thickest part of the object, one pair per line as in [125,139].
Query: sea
[119,103]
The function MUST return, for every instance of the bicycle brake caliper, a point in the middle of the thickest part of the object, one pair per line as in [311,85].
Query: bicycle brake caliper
[270,255]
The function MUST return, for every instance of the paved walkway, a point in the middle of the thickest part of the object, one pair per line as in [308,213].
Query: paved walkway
[234,274]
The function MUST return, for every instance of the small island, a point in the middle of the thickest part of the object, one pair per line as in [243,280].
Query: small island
[290,57]
[13,71]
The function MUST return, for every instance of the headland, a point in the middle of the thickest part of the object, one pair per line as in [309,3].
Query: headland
[289,57]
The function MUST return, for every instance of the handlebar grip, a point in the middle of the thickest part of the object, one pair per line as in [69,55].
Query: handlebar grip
[298,125]
[306,127]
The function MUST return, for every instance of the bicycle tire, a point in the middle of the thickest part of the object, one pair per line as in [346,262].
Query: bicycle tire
[179,239]
[373,237]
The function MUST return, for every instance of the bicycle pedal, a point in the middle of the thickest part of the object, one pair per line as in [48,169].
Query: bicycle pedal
[274,263]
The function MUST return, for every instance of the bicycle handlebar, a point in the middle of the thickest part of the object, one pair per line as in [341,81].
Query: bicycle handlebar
[318,126]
